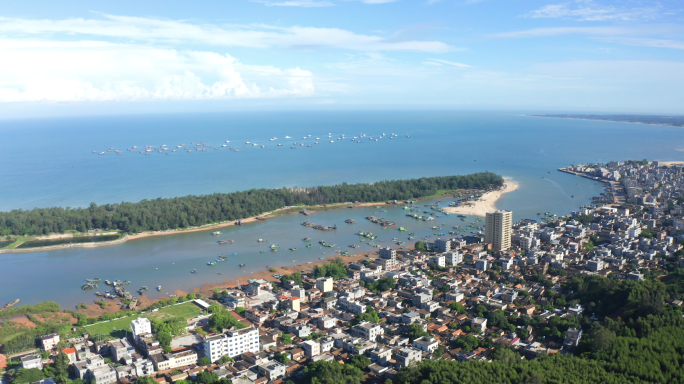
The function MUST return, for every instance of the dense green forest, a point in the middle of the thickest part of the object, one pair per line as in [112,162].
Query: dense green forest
[654,359]
[641,339]
[183,212]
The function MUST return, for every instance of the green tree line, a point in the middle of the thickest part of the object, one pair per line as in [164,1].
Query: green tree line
[187,211]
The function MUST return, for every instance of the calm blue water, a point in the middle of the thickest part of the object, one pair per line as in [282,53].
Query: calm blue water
[49,162]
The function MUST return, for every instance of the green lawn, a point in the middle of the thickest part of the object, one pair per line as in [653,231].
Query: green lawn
[117,328]
[186,310]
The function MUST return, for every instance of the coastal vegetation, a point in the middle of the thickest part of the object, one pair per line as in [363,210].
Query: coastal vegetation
[188,211]
[675,121]
[46,318]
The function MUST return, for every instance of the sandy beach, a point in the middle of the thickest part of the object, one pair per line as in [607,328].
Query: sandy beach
[671,163]
[487,202]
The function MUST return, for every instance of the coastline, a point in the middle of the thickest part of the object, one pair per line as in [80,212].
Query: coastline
[129,237]
[608,121]
[486,203]
[206,289]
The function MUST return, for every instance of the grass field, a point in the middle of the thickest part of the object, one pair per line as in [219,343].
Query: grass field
[117,328]
[186,310]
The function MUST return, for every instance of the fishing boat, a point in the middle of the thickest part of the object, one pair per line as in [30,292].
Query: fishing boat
[274,246]
[353,246]
[261,218]
[293,249]
[261,241]
[309,245]
[306,239]
[193,271]
[94,280]
[89,286]
[234,254]
[216,233]
[350,221]
[159,288]
[263,251]
[241,265]
[226,241]
[325,244]
[212,263]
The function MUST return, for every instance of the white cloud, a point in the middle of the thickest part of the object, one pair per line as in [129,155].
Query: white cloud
[175,31]
[93,71]
[302,3]
[645,42]
[557,31]
[452,63]
[587,10]
[378,1]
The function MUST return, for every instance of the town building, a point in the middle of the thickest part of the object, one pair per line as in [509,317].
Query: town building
[141,325]
[231,343]
[324,284]
[498,229]
[48,342]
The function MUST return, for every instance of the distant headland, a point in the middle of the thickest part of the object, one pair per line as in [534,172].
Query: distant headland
[670,121]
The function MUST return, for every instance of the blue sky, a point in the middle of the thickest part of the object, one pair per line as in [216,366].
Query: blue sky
[78,57]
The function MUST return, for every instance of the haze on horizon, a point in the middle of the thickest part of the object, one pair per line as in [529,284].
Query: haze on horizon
[77,57]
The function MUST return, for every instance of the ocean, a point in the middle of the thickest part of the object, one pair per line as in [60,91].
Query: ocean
[50,162]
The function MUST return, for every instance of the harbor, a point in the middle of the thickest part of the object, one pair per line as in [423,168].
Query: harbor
[187,261]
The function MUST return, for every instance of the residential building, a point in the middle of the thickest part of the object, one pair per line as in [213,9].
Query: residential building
[257,285]
[438,260]
[498,229]
[292,303]
[48,342]
[453,258]
[84,367]
[273,370]
[572,338]
[326,322]
[255,316]
[31,361]
[595,265]
[442,245]
[324,284]
[105,374]
[141,325]
[231,343]
[479,323]
[176,359]
[427,344]
[387,253]
[406,356]
[367,330]
[311,348]
[120,349]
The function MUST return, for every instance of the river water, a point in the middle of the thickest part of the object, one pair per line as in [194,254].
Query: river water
[49,162]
